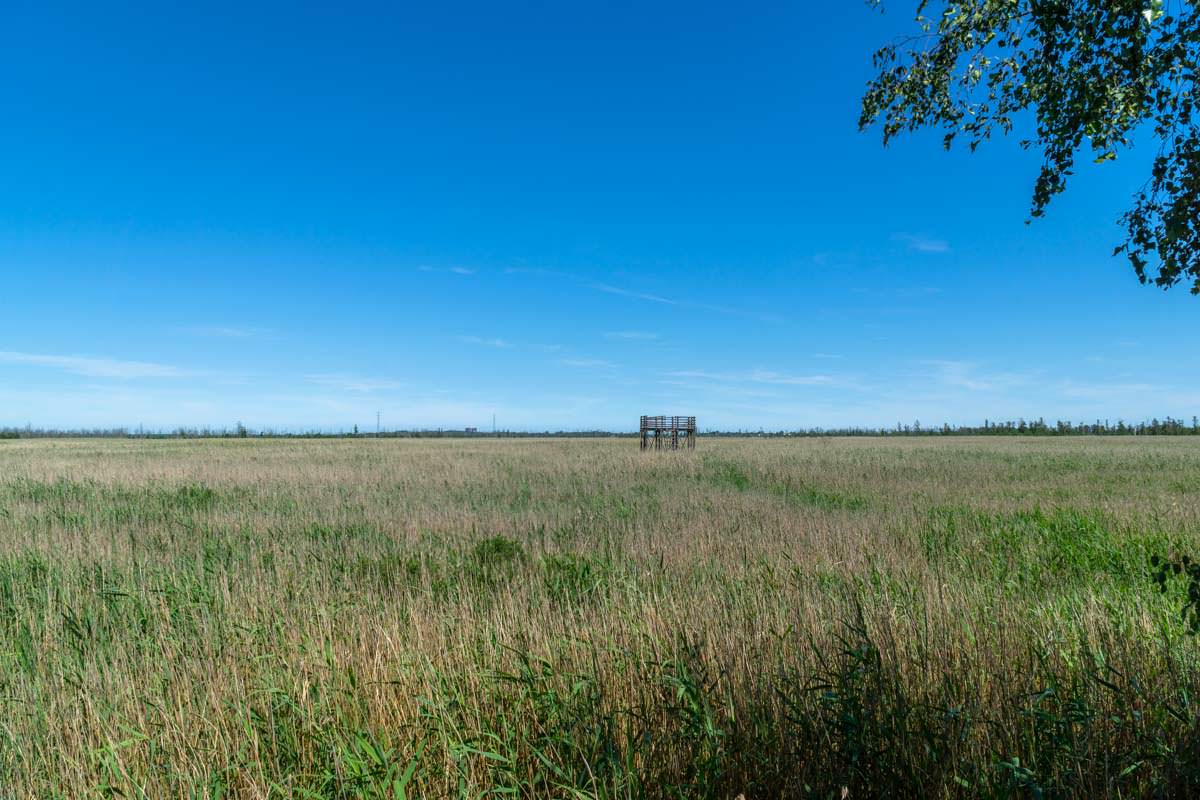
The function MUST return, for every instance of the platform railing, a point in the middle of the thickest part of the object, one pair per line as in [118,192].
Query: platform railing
[663,432]
[669,423]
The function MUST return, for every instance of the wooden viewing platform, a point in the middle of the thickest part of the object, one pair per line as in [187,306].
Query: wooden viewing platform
[668,433]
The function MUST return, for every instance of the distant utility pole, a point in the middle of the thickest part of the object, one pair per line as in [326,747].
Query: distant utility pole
[378,416]
[493,424]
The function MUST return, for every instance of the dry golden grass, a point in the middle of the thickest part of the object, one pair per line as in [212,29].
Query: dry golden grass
[446,618]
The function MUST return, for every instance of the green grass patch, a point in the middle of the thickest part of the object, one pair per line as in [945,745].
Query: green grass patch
[731,475]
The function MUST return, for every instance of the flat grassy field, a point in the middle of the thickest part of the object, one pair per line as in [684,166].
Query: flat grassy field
[573,618]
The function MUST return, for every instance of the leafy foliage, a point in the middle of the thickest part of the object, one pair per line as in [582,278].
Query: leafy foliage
[1165,568]
[1092,73]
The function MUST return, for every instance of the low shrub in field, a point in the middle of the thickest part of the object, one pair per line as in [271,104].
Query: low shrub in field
[388,570]
[193,497]
[494,558]
[575,577]
[728,474]
[818,498]
[498,552]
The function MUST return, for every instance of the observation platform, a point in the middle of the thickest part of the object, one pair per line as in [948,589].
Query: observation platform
[668,433]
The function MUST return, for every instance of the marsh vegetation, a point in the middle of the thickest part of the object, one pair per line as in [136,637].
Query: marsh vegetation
[573,618]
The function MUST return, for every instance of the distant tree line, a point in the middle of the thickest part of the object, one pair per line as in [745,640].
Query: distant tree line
[242,432]
[1021,427]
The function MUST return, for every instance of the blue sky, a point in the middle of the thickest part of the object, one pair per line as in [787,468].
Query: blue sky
[564,214]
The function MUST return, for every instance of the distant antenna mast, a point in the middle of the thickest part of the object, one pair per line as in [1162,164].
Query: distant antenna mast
[493,423]
[378,416]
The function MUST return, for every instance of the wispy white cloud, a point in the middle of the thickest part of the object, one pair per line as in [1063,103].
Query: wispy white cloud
[716,388]
[353,383]
[763,376]
[966,375]
[649,297]
[1108,391]
[779,379]
[587,363]
[681,303]
[544,273]
[96,367]
[483,342]
[923,244]
[631,335]
[451,270]
[228,332]
[653,298]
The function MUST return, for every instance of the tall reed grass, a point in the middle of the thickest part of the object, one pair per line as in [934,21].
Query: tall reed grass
[558,618]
